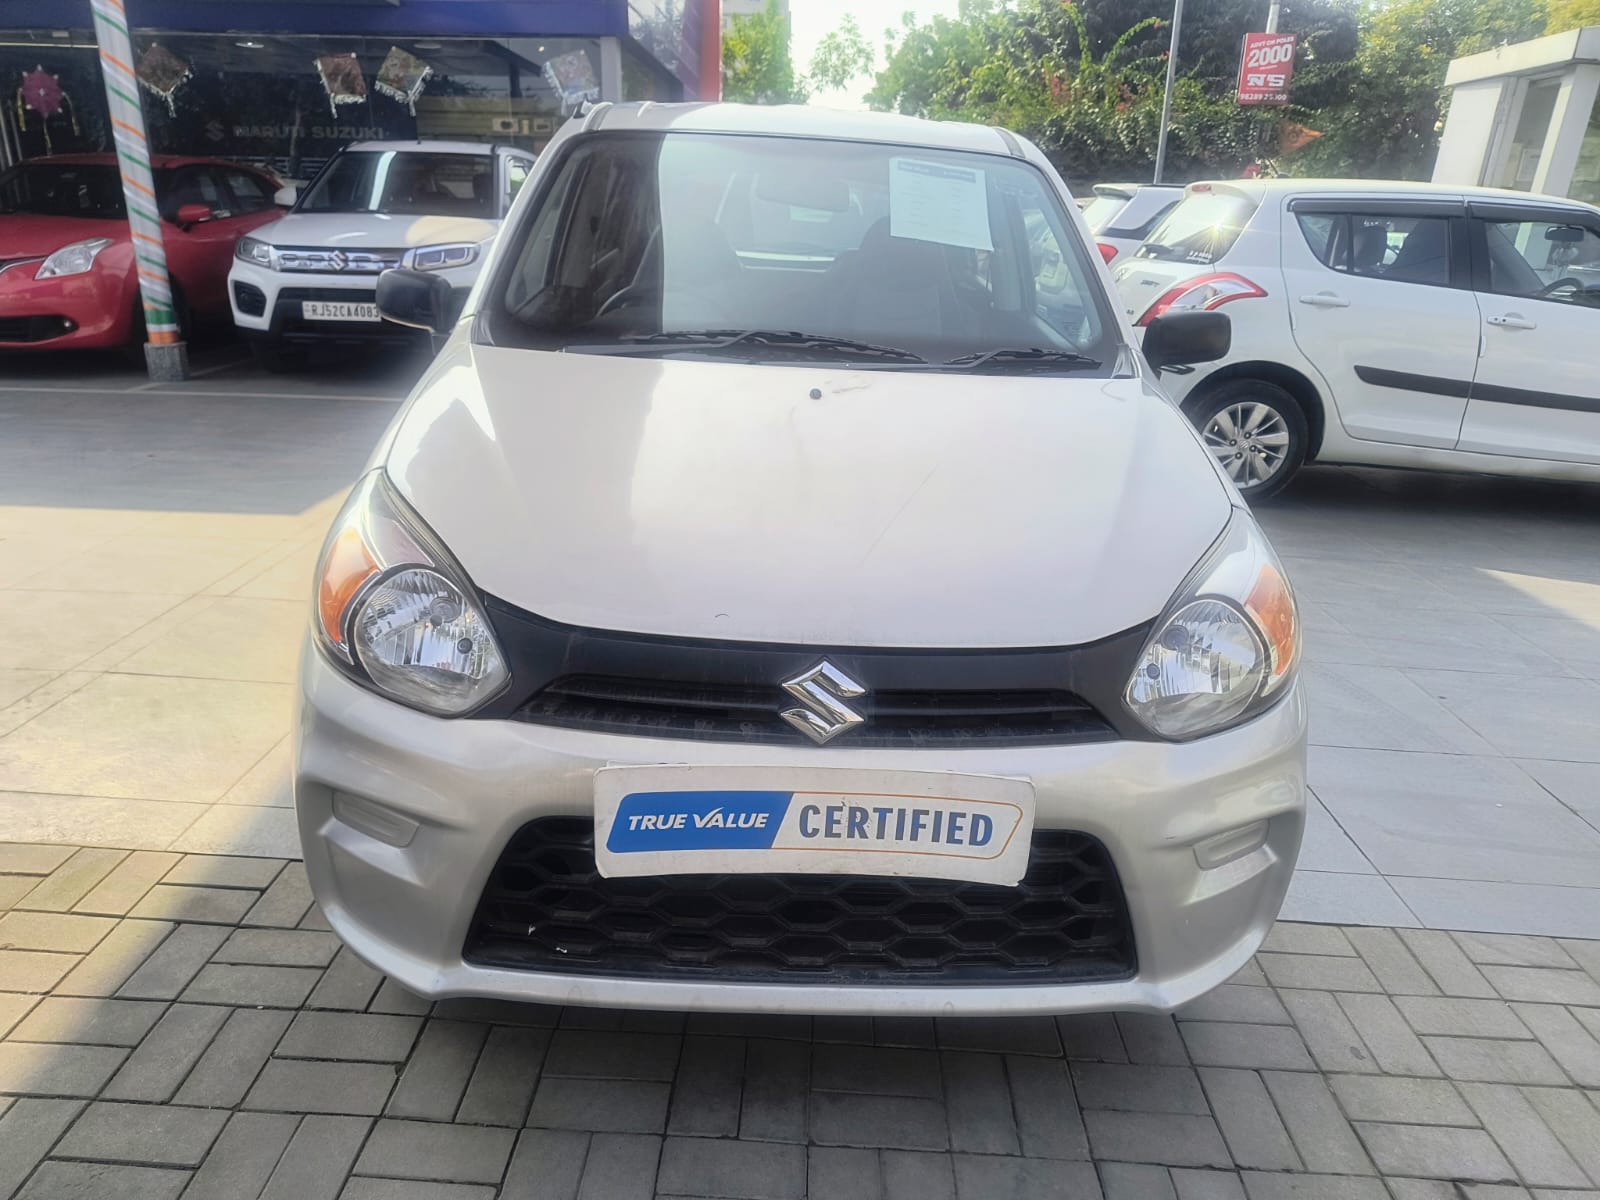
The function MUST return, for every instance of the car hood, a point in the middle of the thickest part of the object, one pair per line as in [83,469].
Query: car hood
[379,231]
[23,235]
[807,505]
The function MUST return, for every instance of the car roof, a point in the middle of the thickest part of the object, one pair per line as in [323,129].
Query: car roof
[1259,189]
[160,161]
[432,147]
[794,120]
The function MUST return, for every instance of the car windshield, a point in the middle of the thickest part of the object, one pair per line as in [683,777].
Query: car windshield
[47,189]
[1201,229]
[773,249]
[1103,209]
[404,182]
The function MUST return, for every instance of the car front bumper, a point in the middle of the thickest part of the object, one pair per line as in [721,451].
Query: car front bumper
[402,817]
[267,304]
[92,310]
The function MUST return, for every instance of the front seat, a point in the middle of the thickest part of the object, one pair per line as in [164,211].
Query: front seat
[1424,257]
[894,289]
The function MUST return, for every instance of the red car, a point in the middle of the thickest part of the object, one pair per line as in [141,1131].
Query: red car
[67,276]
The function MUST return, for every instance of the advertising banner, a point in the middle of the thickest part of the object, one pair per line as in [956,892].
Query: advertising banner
[1266,67]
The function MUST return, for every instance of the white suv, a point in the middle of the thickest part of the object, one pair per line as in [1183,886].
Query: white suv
[310,277]
[1389,324]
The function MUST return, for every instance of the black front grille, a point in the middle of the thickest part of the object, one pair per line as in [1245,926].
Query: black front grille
[252,301]
[338,295]
[729,713]
[546,908]
[34,329]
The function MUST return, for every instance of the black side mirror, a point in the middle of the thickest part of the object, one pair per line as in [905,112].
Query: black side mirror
[415,298]
[1182,338]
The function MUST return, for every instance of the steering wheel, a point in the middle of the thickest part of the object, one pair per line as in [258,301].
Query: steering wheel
[634,293]
[1564,281]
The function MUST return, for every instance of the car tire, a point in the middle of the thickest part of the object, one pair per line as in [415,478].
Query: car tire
[1256,430]
[275,359]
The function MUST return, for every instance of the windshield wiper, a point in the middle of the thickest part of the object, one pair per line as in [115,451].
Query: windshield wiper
[1024,361]
[719,340]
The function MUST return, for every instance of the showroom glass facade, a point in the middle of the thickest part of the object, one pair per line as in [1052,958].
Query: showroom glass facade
[287,98]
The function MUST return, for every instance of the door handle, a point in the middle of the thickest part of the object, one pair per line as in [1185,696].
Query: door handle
[1325,300]
[1513,321]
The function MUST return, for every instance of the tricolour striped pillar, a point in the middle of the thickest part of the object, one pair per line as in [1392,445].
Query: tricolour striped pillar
[133,159]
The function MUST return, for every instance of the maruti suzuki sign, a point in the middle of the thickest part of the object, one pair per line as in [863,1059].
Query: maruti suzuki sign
[1266,67]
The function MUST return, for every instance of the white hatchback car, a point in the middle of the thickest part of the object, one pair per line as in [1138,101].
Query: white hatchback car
[1121,215]
[1389,324]
[310,278]
[767,601]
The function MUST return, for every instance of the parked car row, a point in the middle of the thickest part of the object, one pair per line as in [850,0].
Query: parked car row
[288,280]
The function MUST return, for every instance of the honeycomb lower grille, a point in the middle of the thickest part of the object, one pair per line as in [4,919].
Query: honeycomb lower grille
[547,908]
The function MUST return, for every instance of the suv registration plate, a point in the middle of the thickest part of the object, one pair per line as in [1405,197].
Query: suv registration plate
[331,310]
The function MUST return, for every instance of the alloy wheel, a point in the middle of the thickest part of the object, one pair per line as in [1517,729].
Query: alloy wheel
[1250,440]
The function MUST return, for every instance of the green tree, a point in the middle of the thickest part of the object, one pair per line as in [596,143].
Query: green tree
[1388,125]
[1572,14]
[1085,80]
[841,57]
[757,67]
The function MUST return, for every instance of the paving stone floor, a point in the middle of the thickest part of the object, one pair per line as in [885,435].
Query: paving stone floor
[185,1026]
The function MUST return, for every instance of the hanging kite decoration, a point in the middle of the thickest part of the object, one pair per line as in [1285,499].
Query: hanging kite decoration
[41,92]
[572,78]
[342,80]
[162,73]
[403,76]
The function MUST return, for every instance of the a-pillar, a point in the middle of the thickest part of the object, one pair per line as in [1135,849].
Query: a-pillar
[165,355]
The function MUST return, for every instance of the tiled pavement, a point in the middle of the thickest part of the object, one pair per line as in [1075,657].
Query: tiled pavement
[185,1026]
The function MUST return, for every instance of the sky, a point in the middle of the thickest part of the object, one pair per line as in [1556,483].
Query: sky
[811,20]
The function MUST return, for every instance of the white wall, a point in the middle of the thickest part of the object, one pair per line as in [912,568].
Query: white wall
[1469,131]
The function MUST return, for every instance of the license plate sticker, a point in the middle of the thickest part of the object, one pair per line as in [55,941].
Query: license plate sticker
[338,310]
[676,820]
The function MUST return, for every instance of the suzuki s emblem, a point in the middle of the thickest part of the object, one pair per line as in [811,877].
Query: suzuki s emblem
[338,260]
[823,691]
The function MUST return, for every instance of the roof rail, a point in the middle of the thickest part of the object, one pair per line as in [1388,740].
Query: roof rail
[594,114]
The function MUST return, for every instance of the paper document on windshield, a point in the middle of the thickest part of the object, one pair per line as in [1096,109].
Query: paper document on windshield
[937,202]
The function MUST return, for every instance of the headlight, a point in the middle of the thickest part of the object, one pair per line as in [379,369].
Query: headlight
[72,260]
[1227,646]
[443,258]
[395,610]
[253,250]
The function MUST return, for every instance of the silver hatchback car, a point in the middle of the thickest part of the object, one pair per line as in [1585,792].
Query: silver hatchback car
[790,590]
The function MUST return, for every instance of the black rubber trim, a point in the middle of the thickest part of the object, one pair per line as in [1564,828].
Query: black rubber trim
[1515,210]
[1432,385]
[1495,394]
[539,651]
[1492,392]
[1379,205]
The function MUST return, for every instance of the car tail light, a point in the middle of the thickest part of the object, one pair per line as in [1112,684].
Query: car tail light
[1202,294]
[1107,252]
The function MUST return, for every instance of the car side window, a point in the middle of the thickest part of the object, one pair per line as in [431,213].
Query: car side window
[517,172]
[1545,260]
[250,192]
[194,185]
[1378,245]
